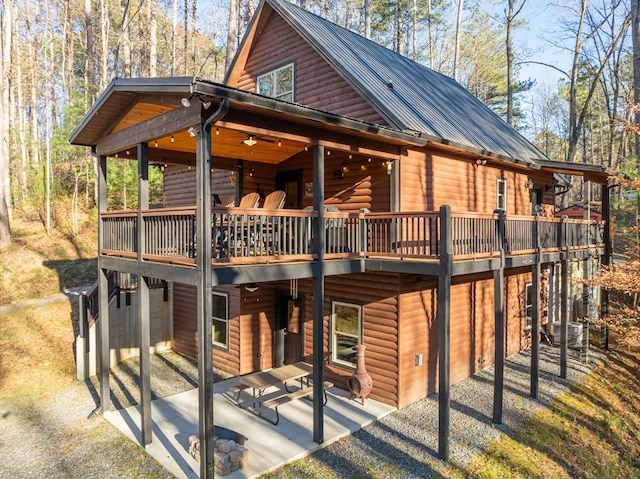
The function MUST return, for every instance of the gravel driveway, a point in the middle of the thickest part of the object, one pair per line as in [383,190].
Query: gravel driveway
[55,439]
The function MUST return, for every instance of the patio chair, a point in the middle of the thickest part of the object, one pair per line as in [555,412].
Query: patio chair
[268,229]
[250,200]
[226,201]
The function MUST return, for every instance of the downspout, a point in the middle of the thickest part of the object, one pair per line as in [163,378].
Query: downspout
[205,283]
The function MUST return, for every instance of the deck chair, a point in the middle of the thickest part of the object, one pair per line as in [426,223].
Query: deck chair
[268,229]
[274,200]
[227,201]
[250,200]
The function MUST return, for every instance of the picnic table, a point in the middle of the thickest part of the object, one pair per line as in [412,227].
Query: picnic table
[260,381]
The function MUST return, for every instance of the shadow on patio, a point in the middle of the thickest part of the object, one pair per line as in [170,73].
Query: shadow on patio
[175,418]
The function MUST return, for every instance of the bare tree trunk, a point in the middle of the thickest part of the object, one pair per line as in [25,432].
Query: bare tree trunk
[6,17]
[194,44]
[90,54]
[126,40]
[635,36]
[186,37]
[367,18]
[104,36]
[574,132]
[430,33]
[456,54]
[174,38]
[232,32]
[153,38]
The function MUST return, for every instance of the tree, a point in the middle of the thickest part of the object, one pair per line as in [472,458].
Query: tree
[635,39]
[6,18]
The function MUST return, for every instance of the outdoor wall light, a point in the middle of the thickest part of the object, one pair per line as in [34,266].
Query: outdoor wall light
[529,184]
[186,102]
[481,161]
[389,165]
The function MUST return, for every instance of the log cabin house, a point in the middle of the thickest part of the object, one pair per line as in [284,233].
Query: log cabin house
[416,221]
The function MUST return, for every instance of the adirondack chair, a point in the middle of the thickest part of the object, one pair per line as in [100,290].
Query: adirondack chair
[250,200]
[270,227]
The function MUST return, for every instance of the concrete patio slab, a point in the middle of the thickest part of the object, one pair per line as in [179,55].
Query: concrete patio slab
[175,418]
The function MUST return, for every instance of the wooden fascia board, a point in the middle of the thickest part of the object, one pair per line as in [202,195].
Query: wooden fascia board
[169,272]
[311,134]
[171,122]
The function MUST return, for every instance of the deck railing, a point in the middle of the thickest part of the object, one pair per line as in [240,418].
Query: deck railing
[257,235]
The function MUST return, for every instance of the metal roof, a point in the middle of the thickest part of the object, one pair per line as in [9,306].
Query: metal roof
[410,96]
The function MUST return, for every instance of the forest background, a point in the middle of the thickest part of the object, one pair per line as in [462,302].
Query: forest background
[59,55]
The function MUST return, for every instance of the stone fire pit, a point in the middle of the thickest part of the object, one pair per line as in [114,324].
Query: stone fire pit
[228,455]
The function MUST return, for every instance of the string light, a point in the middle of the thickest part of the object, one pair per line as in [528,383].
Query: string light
[172,140]
[156,143]
[279,142]
[217,131]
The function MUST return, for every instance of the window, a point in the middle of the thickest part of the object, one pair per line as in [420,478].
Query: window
[346,332]
[528,308]
[220,319]
[277,83]
[501,194]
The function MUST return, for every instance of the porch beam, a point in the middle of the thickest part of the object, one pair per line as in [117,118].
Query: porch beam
[162,125]
[498,287]
[143,299]
[203,266]
[318,295]
[444,330]
[103,291]
[535,313]
[169,272]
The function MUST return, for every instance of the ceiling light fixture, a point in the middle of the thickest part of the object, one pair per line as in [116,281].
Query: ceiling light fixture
[249,141]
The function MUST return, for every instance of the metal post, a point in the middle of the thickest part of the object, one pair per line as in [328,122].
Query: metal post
[444,329]
[318,295]
[203,265]
[607,257]
[143,299]
[498,286]
[535,313]
[103,291]
[564,303]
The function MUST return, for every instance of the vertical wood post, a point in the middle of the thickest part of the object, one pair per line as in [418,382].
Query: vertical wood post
[203,266]
[444,329]
[535,313]
[498,286]
[564,303]
[103,321]
[143,298]
[318,295]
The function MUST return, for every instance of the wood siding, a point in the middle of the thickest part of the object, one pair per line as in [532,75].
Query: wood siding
[430,179]
[352,191]
[417,334]
[257,327]
[180,185]
[316,83]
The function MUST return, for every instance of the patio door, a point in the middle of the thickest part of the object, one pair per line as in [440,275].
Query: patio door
[291,183]
[289,334]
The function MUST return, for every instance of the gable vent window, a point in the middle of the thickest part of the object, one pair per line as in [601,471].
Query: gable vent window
[277,83]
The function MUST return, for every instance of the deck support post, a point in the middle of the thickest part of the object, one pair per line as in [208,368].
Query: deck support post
[564,302]
[606,237]
[103,304]
[444,329]
[205,279]
[318,295]
[143,299]
[535,313]
[498,286]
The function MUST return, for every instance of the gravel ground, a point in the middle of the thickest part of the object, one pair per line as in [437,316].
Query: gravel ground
[54,438]
[405,443]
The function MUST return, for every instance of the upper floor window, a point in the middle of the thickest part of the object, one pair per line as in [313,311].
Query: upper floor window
[501,194]
[220,319]
[277,83]
[346,332]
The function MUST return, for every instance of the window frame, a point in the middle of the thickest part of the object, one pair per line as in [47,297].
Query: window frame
[273,73]
[501,196]
[334,359]
[217,344]
[528,305]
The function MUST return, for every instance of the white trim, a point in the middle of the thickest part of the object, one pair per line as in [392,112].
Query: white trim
[286,95]
[225,320]
[501,205]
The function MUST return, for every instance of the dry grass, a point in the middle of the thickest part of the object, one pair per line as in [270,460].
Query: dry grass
[36,265]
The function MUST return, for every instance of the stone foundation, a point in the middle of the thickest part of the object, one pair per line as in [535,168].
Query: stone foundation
[228,456]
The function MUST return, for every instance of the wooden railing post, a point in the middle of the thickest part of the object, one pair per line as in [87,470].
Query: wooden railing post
[444,328]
